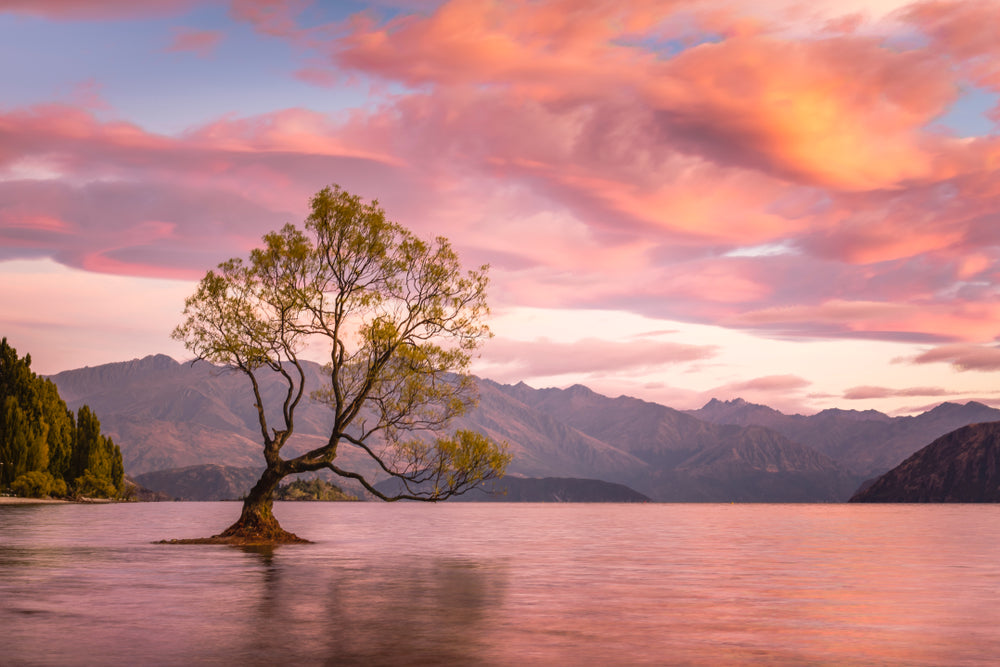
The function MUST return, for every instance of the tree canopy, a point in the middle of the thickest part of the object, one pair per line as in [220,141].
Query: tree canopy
[397,320]
[46,450]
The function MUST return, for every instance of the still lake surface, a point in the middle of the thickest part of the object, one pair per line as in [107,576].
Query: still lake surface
[504,584]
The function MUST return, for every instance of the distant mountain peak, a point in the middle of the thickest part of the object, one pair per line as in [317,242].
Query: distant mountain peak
[950,407]
[732,403]
[874,415]
[156,360]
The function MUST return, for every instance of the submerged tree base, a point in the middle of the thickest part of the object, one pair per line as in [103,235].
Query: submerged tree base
[241,540]
[251,530]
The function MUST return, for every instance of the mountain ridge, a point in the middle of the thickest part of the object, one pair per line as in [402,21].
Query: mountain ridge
[168,415]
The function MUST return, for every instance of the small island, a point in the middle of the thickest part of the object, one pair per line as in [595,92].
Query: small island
[312,489]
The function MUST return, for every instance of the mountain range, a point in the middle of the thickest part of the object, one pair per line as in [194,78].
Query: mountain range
[866,442]
[167,415]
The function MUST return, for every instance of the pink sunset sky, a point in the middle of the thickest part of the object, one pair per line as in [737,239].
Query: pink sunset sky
[792,201]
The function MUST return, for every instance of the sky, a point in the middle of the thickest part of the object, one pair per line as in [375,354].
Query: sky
[795,202]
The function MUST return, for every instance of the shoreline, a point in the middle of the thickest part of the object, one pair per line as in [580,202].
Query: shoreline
[15,500]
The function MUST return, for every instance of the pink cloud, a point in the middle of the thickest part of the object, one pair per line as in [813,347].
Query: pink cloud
[842,112]
[782,392]
[770,383]
[947,320]
[115,198]
[317,76]
[271,17]
[94,9]
[200,42]
[698,148]
[966,30]
[233,179]
[516,359]
[868,392]
[768,182]
[963,357]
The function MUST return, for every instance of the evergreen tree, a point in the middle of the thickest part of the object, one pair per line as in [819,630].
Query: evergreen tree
[87,438]
[62,427]
[43,449]
[23,430]
[23,445]
[96,462]
[117,476]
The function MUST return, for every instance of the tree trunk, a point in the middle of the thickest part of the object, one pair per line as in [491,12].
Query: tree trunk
[257,523]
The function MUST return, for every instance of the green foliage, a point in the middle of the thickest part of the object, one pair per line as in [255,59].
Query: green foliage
[62,430]
[43,449]
[399,320]
[94,485]
[96,461]
[311,489]
[38,484]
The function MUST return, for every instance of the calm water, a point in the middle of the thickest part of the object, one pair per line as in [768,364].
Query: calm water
[504,584]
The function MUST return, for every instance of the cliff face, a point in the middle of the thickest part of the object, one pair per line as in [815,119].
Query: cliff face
[960,467]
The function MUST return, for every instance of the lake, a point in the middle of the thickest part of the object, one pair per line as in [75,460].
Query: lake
[504,584]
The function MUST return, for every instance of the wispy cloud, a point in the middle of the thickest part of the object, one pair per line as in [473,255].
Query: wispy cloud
[519,359]
[200,42]
[94,9]
[869,392]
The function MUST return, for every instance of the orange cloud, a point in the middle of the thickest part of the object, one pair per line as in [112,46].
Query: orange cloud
[843,112]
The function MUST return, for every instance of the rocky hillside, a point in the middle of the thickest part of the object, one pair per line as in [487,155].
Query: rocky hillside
[960,467]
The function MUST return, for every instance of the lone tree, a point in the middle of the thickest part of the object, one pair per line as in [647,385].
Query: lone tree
[400,320]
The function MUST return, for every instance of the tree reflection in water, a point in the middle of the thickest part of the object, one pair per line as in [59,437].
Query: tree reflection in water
[398,611]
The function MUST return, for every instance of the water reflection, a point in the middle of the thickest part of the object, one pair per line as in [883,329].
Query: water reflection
[505,585]
[402,611]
